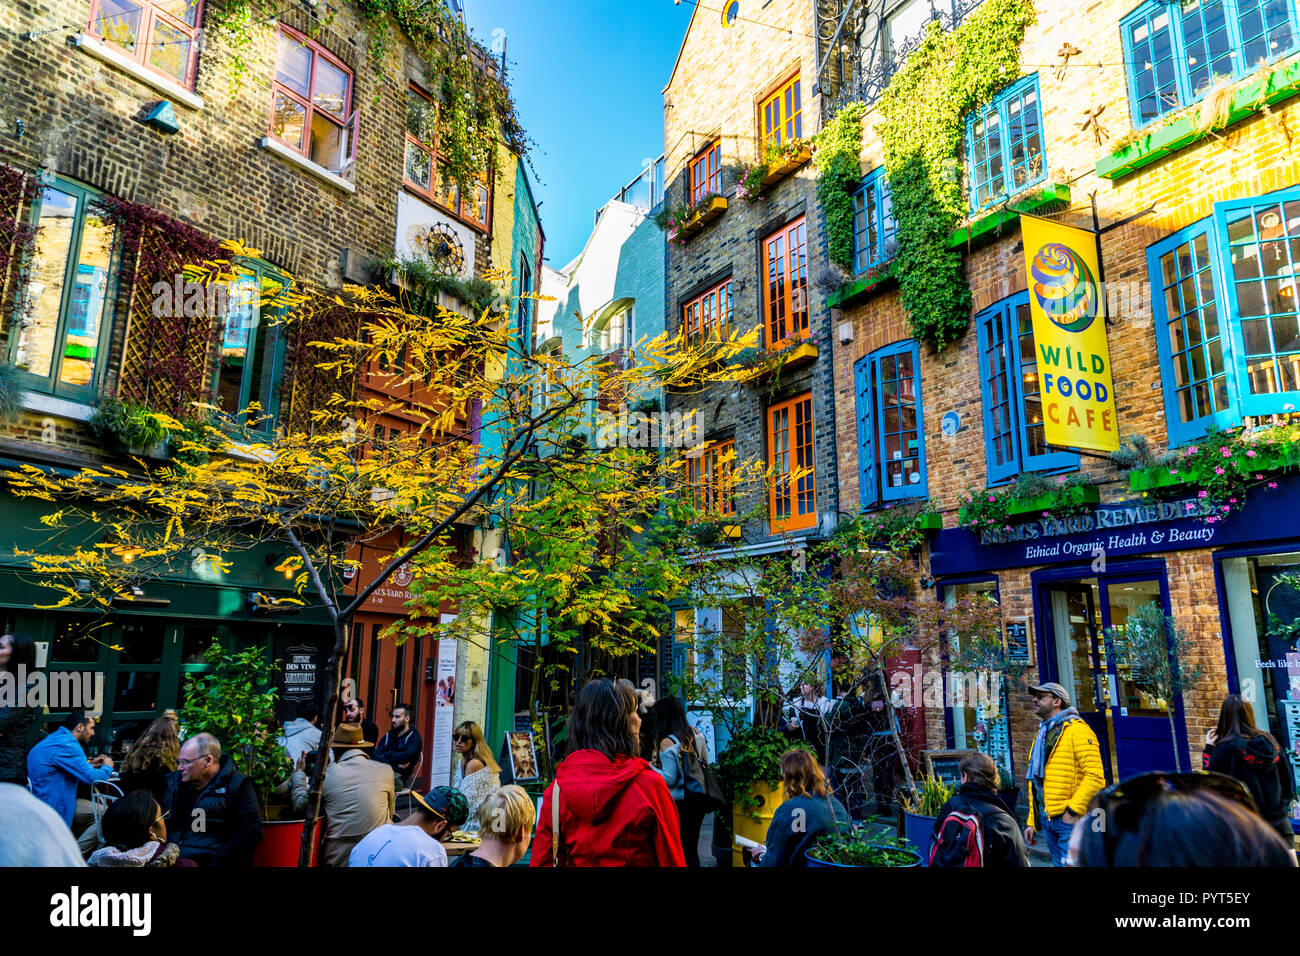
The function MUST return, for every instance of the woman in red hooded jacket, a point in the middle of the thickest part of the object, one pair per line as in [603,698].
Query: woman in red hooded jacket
[614,808]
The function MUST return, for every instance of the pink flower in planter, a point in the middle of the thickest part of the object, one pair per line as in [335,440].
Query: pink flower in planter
[1225,453]
[1211,520]
[1259,477]
[1202,494]
[1047,514]
[1173,471]
[1272,484]
[1250,453]
[990,497]
[1218,471]
[1232,501]
[1192,450]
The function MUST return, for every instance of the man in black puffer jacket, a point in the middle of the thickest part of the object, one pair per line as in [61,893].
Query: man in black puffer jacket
[212,807]
[1004,847]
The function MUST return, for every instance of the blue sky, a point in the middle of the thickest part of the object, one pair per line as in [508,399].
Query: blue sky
[587,77]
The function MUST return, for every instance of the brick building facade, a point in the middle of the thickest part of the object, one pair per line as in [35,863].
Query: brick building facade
[1184,221]
[294,144]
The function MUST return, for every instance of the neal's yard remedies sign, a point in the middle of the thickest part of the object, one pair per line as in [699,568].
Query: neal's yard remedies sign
[1069,319]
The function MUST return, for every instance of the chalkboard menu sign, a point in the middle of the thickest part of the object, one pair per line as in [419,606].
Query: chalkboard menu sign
[302,674]
[945,764]
[1018,642]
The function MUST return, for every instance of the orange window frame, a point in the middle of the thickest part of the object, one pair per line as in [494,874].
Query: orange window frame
[790,446]
[444,193]
[708,317]
[781,115]
[152,15]
[710,479]
[785,286]
[706,170]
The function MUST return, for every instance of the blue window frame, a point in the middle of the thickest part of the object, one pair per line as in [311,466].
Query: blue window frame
[252,346]
[1227,311]
[891,434]
[874,227]
[61,337]
[1012,400]
[1004,144]
[1174,53]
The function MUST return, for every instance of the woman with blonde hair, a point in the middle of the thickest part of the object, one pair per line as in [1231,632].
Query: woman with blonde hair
[505,821]
[477,774]
[807,814]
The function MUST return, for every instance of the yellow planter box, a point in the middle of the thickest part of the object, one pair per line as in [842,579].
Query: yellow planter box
[786,168]
[731,531]
[715,208]
[744,825]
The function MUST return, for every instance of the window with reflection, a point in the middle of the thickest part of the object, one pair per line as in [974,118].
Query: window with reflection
[428,173]
[311,109]
[252,347]
[161,35]
[62,331]
[1228,314]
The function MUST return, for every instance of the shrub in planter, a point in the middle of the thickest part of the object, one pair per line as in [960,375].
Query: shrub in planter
[858,849]
[235,702]
[919,814]
[130,427]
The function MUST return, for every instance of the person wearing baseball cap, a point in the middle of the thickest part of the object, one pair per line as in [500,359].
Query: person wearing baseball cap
[1064,769]
[417,840]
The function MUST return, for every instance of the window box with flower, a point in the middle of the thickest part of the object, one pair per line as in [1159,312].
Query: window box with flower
[1031,495]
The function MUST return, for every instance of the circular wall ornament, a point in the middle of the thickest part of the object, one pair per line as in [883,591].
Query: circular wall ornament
[950,424]
[731,14]
[439,244]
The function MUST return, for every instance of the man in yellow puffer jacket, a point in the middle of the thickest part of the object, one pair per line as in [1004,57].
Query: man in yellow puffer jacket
[1065,770]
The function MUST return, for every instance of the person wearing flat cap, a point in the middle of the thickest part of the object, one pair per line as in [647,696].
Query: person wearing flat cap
[1064,769]
[417,840]
[356,797]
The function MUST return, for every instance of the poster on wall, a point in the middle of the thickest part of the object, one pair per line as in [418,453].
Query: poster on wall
[1069,319]
[302,671]
[523,756]
[444,711]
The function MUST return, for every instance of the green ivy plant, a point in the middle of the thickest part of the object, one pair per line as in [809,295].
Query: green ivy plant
[673,217]
[426,282]
[476,109]
[838,146]
[921,127]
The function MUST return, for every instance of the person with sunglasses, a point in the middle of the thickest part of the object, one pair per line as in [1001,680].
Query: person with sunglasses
[1064,769]
[477,774]
[417,840]
[1175,819]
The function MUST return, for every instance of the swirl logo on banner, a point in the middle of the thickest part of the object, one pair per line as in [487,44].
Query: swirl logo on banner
[1064,287]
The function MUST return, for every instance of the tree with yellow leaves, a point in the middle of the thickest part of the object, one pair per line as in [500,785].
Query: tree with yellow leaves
[480,445]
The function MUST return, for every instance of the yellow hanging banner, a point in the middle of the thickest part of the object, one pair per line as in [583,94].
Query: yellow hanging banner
[1069,316]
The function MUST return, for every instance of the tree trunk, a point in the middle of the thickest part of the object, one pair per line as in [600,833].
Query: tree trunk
[896,735]
[333,680]
[535,688]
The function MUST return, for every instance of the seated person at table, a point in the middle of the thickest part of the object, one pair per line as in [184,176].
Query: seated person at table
[400,747]
[807,813]
[505,821]
[58,763]
[417,840]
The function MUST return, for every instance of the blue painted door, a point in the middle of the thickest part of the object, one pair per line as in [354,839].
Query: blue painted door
[1144,735]
[1069,614]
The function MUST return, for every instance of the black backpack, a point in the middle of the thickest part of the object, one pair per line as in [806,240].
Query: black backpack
[960,841]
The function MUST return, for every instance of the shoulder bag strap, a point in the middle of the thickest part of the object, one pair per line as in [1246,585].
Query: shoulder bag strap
[555,823]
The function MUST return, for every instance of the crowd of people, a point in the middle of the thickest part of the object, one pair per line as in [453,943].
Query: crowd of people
[632,790]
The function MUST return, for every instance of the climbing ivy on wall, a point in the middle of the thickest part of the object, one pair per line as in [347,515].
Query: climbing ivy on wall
[922,123]
[837,147]
[476,108]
